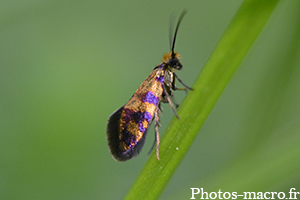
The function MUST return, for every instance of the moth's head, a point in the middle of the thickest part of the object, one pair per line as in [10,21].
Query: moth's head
[172,60]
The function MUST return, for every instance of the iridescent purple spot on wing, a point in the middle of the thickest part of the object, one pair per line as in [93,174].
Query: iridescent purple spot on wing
[147,116]
[141,127]
[138,116]
[160,79]
[128,115]
[149,97]
[128,138]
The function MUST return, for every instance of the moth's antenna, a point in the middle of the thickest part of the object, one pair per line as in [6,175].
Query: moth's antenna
[171,28]
[176,30]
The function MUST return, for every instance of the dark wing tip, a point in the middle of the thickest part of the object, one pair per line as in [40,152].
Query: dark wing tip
[113,130]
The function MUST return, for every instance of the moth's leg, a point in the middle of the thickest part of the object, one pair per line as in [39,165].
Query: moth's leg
[174,87]
[167,99]
[160,108]
[173,83]
[156,125]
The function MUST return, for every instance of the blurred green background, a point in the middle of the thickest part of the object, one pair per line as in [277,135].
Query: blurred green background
[65,66]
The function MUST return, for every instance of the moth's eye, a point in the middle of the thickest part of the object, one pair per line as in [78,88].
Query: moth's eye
[175,63]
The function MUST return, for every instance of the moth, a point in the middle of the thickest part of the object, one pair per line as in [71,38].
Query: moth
[127,127]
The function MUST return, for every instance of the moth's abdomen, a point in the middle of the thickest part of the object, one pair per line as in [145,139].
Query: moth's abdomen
[127,127]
